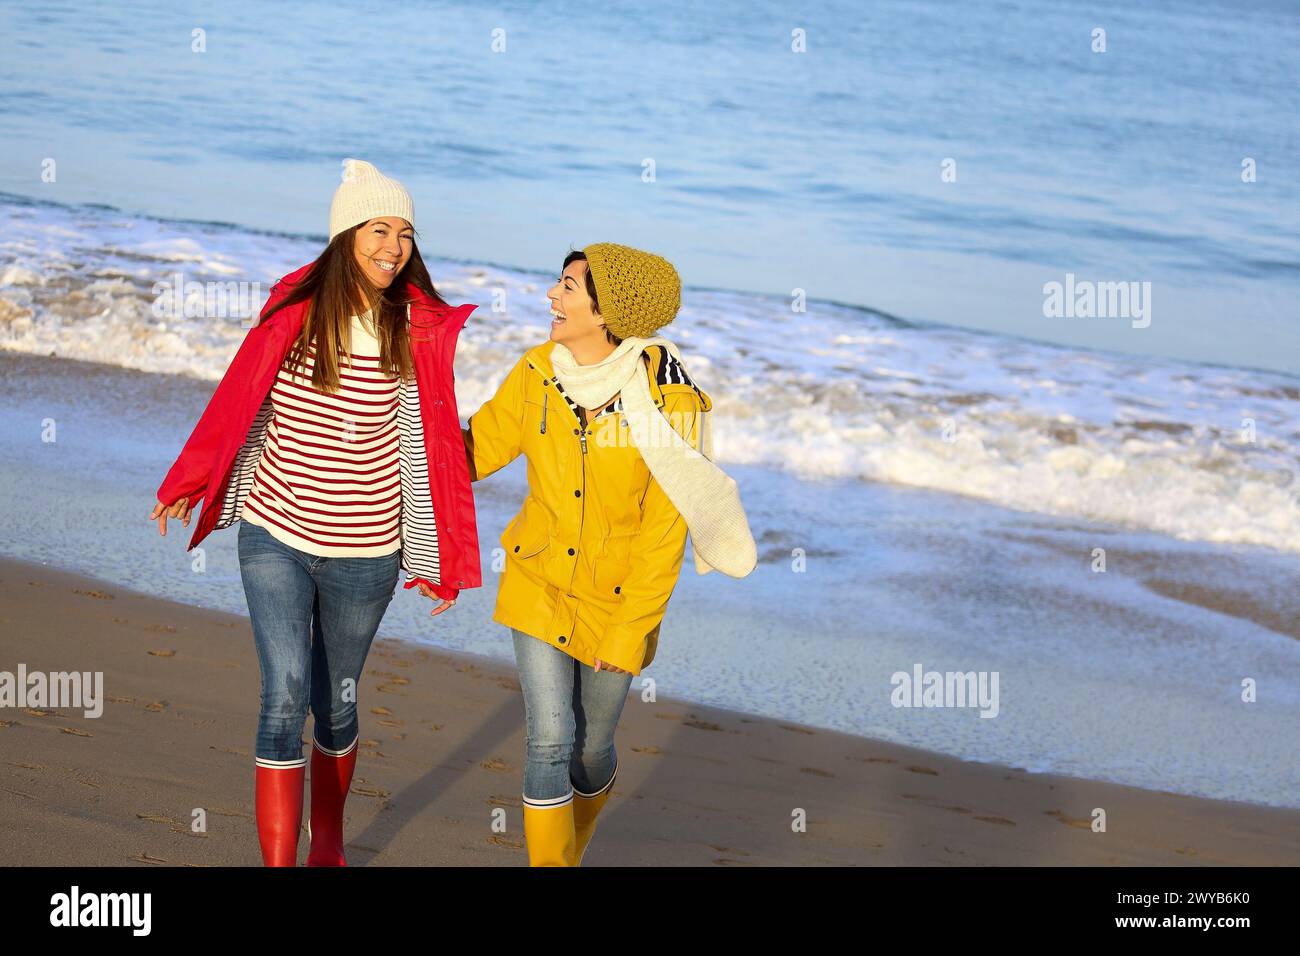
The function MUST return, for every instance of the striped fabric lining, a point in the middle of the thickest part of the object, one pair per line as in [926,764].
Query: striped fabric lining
[671,371]
[419,530]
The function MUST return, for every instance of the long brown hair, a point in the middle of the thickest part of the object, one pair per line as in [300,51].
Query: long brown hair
[337,289]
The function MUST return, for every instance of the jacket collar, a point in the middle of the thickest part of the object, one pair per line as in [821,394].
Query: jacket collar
[539,358]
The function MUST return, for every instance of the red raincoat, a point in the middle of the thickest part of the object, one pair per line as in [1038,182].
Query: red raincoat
[439,532]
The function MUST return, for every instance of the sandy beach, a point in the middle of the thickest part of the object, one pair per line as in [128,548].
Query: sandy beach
[442,748]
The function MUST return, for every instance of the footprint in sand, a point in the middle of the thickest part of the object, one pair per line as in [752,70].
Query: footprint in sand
[663,716]
[647,749]
[504,801]
[874,759]
[1081,823]
[157,706]
[510,843]
[103,595]
[162,653]
[700,725]
[75,732]
[817,773]
[494,763]
[727,849]
[381,711]
[1002,821]
[925,770]
[165,628]
[797,730]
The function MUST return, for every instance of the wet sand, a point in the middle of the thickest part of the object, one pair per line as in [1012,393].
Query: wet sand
[442,747]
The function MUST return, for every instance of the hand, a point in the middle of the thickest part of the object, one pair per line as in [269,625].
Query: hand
[181,509]
[609,667]
[428,592]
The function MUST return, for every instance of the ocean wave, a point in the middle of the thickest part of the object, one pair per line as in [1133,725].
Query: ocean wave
[1195,451]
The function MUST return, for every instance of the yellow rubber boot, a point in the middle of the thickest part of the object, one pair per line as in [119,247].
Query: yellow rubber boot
[548,832]
[585,811]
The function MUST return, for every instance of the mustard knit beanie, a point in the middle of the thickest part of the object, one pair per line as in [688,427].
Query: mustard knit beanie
[364,194]
[638,292]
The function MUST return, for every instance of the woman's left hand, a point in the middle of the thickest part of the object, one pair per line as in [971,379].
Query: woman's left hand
[609,667]
[428,592]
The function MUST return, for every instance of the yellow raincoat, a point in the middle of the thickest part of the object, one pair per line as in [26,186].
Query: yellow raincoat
[593,555]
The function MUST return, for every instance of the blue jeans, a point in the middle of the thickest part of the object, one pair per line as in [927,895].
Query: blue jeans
[571,713]
[313,620]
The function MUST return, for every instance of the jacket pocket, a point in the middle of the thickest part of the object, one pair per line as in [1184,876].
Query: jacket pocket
[523,538]
[610,569]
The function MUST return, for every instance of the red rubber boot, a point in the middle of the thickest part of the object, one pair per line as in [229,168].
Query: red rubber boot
[331,777]
[278,798]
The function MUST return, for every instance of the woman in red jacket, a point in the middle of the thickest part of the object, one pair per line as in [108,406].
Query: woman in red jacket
[334,436]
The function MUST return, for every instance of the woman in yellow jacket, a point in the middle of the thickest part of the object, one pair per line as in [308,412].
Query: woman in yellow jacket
[615,434]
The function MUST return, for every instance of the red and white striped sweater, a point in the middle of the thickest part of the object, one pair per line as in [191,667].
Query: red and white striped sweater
[328,480]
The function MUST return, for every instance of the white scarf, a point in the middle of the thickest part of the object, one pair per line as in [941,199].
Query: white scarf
[706,496]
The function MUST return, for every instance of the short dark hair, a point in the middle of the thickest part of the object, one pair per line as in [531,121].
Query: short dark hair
[577,255]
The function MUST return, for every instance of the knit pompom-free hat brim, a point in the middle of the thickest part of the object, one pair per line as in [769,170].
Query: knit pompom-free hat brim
[638,292]
[364,194]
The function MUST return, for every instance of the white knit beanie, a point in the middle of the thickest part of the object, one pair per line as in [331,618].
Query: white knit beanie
[366,194]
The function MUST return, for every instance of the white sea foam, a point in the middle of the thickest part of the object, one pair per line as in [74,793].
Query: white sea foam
[1198,452]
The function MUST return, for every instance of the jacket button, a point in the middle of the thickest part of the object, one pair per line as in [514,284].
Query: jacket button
[577,493]
[571,551]
[575,431]
[618,590]
[516,549]
[562,638]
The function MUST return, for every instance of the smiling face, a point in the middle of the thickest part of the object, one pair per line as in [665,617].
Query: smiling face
[383,247]
[574,319]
